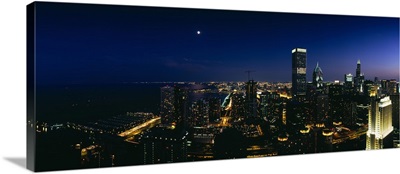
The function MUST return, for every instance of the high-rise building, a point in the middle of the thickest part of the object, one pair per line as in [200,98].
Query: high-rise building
[318,77]
[215,109]
[358,74]
[299,68]
[348,81]
[389,87]
[173,105]
[251,98]
[199,113]
[322,107]
[385,86]
[359,79]
[379,122]
[395,111]
[392,87]
[164,146]
[167,108]
[336,102]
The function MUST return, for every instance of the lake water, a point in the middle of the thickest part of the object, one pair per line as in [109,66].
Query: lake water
[57,104]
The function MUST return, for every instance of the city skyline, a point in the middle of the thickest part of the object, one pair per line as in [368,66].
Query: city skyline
[141,44]
[210,98]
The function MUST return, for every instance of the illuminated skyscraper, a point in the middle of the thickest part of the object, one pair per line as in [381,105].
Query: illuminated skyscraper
[379,121]
[348,81]
[199,113]
[299,67]
[359,79]
[318,77]
[358,70]
[173,105]
[167,105]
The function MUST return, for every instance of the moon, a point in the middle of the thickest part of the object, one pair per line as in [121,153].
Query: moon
[198,32]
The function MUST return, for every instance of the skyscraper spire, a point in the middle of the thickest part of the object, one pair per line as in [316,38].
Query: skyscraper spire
[318,76]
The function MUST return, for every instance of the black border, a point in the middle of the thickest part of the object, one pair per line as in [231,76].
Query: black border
[30,87]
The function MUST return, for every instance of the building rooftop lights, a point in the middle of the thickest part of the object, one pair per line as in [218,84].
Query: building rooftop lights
[320,125]
[337,123]
[283,137]
[305,130]
[327,132]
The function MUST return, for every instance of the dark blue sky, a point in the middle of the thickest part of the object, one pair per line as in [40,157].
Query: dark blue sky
[79,44]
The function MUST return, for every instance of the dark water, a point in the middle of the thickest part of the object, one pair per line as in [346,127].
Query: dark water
[57,104]
[87,102]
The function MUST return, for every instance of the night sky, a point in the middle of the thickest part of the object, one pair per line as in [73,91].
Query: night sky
[98,44]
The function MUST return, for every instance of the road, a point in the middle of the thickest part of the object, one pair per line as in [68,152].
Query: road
[352,135]
[139,128]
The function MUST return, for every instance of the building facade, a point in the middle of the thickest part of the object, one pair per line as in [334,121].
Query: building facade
[299,68]
[379,122]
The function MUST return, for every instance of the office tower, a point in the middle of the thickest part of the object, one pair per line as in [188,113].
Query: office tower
[215,109]
[167,105]
[200,144]
[317,77]
[322,106]
[349,113]
[348,81]
[173,105]
[251,99]
[199,113]
[336,102]
[395,110]
[389,87]
[379,122]
[359,79]
[264,105]
[358,74]
[385,86]
[164,146]
[299,67]
[392,87]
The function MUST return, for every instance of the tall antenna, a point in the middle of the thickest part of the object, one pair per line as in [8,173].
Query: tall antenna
[248,74]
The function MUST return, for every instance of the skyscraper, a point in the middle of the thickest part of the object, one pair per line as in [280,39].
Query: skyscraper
[358,70]
[318,77]
[173,105]
[392,87]
[167,105]
[379,122]
[299,67]
[359,79]
[251,98]
[348,81]
[348,84]
[215,109]
[199,113]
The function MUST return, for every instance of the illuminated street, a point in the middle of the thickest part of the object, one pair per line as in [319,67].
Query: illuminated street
[137,129]
[351,135]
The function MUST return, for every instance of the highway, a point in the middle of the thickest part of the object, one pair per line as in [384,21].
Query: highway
[139,128]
